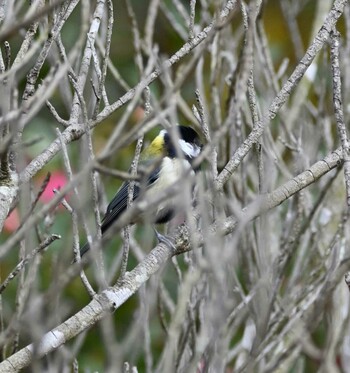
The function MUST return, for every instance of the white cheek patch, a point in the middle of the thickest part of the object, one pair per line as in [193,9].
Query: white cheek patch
[191,150]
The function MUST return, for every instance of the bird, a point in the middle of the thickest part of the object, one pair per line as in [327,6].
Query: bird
[171,160]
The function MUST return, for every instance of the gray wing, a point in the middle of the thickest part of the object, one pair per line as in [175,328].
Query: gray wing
[120,201]
[118,205]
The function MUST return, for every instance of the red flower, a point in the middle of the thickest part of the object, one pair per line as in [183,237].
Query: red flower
[57,180]
[12,221]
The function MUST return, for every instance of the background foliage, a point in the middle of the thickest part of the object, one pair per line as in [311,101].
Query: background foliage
[269,296]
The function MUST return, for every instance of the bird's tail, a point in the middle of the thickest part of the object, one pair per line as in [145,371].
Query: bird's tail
[83,250]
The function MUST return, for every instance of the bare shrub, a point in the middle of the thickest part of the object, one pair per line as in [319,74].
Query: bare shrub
[256,279]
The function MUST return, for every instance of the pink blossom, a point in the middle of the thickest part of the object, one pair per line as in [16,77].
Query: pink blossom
[12,221]
[57,180]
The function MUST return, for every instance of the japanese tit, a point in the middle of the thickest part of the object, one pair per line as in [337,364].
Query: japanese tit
[171,162]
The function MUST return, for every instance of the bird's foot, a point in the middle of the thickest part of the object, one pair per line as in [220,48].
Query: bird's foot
[166,240]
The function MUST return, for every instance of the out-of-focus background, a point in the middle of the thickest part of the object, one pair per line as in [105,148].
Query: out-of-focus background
[287,29]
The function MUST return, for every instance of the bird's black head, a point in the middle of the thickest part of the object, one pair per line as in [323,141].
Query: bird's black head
[189,135]
[189,143]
